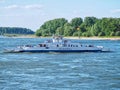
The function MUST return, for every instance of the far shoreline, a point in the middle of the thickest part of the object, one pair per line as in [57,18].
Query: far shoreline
[69,37]
[95,38]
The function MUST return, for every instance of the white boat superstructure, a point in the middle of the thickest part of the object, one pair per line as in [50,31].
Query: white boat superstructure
[58,44]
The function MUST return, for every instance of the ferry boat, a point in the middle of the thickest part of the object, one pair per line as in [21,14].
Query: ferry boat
[58,44]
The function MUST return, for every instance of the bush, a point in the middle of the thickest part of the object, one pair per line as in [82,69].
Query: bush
[117,33]
[38,33]
[101,34]
[112,34]
[75,34]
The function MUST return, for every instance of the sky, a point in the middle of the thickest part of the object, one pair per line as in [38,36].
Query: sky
[33,13]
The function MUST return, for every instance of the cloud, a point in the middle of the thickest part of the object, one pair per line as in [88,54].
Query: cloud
[22,10]
[115,11]
[33,6]
[24,7]
[12,7]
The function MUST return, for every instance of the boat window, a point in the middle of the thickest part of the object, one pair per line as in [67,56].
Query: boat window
[57,45]
[44,45]
[90,45]
[28,46]
[40,45]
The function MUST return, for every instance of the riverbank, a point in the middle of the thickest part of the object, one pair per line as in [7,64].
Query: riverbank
[95,38]
[84,38]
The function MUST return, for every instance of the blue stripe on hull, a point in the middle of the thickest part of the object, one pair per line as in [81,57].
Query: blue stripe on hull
[61,51]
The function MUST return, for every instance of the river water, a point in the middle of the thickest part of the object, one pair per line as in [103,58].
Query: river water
[59,71]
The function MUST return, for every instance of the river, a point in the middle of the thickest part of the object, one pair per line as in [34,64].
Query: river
[59,71]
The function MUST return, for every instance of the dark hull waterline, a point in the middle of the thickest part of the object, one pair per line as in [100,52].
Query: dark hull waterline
[59,51]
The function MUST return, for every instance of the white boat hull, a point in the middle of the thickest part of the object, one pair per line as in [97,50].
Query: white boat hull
[58,44]
[36,49]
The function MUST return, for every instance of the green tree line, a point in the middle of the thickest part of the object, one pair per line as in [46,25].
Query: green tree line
[15,30]
[89,26]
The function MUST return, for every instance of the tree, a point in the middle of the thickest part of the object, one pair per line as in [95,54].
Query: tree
[68,30]
[38,33]
[91,26]
[82,27]
[95,29]
[89,21]
[52,26]
[76,22]
[60,31]
[15,30]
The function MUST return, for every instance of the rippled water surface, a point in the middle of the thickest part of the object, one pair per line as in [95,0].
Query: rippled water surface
[59,71]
